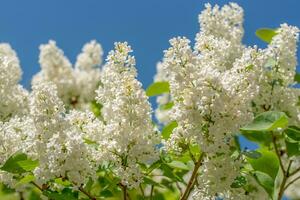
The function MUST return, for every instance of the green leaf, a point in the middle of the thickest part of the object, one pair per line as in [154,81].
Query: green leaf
[237,142]
[268,163]
[66,193]
[260,137]
[297,77]
[168,129]
[252,154]
[154,165]
[168,172]
[106,193]
[26,179]
[88,141]
[265,34]
[178,165]
[293,132]
[34,196]
[167,106]
[28,165]
[239,181]
[267,121]
[292,147]
[158,88]
[265,181]
[19,163]
[60,181]
[96,108]
[149,181]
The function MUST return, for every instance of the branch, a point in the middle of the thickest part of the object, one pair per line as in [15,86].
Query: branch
[37,186]
[124,189]
[291,182]
[285,172]
[294,172]
[278,154]
[192,179]
[86,193]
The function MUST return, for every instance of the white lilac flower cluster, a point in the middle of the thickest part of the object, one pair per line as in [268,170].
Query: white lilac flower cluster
[130,136]
[219,86]
[13,97]
[40,126]
[76,86]
[162,112]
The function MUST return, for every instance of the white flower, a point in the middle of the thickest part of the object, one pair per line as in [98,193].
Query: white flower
[130,135]
[90,57]
[55,67]
[87,71]
[13,97]
[162,114]
[226,22]
[59,145]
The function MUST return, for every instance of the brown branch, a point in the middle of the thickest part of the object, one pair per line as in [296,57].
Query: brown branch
[278,154]
[81,189]
[295,171]
[291,182]
[124,189]
[192,179]
[37,186]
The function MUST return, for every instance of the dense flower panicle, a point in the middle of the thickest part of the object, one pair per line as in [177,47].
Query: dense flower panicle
[201,111]
[58,144]
[283,50]
[276,72]
[162,114]
[90,57]
[87,72]
[10,73]
[13,97]
[55,67]
[226,22]
[92,131]
[76,86]
[212,91]
[220,35]
[16,135]
[130,135]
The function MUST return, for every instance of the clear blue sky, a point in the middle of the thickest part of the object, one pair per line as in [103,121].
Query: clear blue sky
[146,25]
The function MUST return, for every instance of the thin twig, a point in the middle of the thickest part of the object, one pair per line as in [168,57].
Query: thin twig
[278,154]
[142,190]
[289,167]
[285,173]
[81,189]
[124,189]
[192,179]
[179,188]
[291,182]
[21,196]
[151,192]
[295,171]
[37,186]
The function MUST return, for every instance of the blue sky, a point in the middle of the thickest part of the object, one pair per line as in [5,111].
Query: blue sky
[146,25]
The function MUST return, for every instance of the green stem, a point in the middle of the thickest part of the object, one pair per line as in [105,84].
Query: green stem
[151,192]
